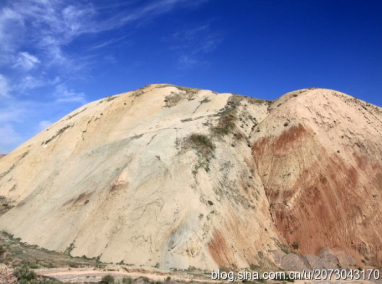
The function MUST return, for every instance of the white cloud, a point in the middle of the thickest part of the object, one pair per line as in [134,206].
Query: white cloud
[9,19]
[44,25]
[26,61]
[35,37]
[30,82]
[11,111]
[44,124]
[4,87]
[9,137]
[48,26]
[66,95]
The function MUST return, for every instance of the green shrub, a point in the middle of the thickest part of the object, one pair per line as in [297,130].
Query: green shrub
[202,142]
[23,273]
[127,280]
[107,279]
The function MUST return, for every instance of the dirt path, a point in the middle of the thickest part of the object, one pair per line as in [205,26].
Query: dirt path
[80,275]
[74,275]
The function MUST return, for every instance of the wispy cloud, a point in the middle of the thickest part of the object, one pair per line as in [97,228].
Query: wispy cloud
[66,95]
[44,124]
[48,27]
[192,43]
[11,138]
[112,41]
[4,87]
[26,61]
[29,82]
[146,12]
[39,66]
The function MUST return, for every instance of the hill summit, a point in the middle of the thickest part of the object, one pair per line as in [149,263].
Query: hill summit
[174,177]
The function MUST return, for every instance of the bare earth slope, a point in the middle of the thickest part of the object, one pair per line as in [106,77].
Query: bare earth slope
[124,179]
[175,177]
[319,155]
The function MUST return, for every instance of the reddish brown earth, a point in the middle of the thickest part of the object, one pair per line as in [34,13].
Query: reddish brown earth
[322,196]
[1,156]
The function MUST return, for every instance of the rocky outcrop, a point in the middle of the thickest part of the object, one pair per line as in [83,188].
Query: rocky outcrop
[175,177]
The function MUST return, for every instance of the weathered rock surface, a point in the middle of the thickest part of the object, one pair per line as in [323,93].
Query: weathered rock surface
[175,177]
[319,156]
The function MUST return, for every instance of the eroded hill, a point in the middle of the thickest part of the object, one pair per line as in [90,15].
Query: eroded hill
[175,177]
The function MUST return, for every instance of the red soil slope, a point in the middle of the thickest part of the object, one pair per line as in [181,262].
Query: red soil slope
[323,191]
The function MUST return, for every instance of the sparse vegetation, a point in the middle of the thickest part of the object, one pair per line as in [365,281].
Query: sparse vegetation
[5,205]
[295,245]
[20,254]
[190,92]
[107,279]
[23,273]
[225,125]
[138,93]
[108,99]
[204,148]
[201,142]
[172,99]
[255,101]
[227,117]
[283,247]
[127,280]
[76,113]
[70,248]
[58,133]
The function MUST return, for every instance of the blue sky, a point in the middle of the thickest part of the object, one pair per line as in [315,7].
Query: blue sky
[56,55]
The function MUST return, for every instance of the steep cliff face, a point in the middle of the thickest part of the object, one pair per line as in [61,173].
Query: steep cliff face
[178,177]
[319,157]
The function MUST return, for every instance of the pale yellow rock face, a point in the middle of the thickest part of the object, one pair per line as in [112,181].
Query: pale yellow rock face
[120,179]
[179,178]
